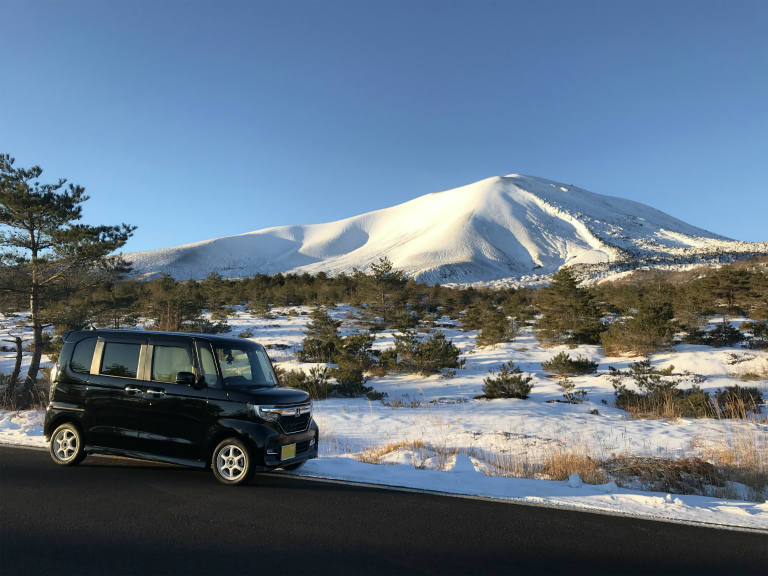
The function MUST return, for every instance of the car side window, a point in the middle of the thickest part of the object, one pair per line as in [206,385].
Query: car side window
[208,366]
[120,359]
[168,361]
[82,356]
[235,365]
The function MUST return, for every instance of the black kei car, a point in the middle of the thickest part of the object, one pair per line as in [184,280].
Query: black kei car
[190,399]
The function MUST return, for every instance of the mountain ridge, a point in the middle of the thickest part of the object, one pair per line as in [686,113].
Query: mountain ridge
[510,226]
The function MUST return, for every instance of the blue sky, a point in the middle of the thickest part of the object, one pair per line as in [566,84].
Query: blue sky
[195,120]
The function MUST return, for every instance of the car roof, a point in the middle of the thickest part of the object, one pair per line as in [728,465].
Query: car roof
[77,334]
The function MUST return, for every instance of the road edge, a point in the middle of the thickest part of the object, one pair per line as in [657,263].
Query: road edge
[507,500]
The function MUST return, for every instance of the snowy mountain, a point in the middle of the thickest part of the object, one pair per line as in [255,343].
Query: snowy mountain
[511,227]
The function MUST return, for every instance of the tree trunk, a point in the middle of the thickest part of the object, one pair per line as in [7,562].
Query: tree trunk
[37,339]
[10,392]
[17,365]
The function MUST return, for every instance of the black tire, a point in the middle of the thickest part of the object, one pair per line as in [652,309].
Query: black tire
[295,466]
[66,446]
[232,462]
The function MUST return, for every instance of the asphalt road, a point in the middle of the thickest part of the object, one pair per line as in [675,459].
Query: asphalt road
[115,516]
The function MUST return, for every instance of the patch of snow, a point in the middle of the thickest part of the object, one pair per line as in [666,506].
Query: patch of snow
[574,481]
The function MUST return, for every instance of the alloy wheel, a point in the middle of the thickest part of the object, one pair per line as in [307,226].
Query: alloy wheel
[65,445]
[231,462]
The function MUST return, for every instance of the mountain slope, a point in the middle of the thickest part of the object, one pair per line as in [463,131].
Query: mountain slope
[501,227]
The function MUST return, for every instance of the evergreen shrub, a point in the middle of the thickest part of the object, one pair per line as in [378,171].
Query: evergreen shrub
[496,328]
[563,365]
[432,355]
[659,396]
[735,401]
[721,336]
[509,382]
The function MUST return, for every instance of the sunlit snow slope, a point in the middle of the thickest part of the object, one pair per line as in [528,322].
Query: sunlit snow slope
[501,227]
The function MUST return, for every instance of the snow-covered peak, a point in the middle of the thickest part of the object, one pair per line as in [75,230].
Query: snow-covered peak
[501,227]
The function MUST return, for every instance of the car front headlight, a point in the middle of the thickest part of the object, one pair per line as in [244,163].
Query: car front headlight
[268,413]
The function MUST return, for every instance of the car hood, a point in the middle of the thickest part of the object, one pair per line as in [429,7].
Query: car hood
[272,396]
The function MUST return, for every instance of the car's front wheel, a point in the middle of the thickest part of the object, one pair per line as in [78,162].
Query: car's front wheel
[66,446]
[231,462]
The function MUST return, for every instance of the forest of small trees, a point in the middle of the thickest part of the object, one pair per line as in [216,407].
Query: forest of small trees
[638,315]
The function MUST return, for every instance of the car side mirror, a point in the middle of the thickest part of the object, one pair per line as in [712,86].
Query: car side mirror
[186,378]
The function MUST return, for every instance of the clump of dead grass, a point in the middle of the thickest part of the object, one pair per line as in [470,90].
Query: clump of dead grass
[677,476]
[740,457]
[439,457]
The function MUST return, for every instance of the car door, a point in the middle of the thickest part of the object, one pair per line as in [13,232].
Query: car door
[175,417]
[114,396]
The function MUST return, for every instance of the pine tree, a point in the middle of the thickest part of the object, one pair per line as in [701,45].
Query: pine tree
[496,328]
[43,243]
[321,338]
[569,314]
[388,285]
[386,278]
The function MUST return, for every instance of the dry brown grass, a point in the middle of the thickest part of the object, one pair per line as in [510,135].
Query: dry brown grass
[440,456]
[561,464]
[377,453]
[680,476]
[655,408]
[402,402]
[558,464]
[509,465]
[743,459]
[38,398]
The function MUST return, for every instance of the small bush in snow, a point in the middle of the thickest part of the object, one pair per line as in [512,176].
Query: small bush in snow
[350,383]
[758,334]
[509,382]
[563,365]
[322,342]
[722,335]
[430,356]
[292,379]
[261,309]
[736,401]
[649,329]
[496,328]
[205,326]
[571,395]
[660,397]
[315,383]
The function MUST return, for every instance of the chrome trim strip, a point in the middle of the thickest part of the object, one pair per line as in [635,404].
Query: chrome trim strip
[60,406]
[288,411]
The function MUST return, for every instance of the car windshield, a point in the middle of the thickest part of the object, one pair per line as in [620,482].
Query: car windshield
[244,366]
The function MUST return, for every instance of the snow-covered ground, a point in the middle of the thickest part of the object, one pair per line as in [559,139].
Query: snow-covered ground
[13,325]
[432,433]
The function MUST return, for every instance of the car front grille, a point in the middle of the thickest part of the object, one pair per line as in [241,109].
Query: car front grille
[294,424]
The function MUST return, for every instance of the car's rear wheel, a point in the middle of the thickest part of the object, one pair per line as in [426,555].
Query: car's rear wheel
[231,462]
[66,446]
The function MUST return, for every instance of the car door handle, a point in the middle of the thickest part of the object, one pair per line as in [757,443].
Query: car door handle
[132,390]
[155,392]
